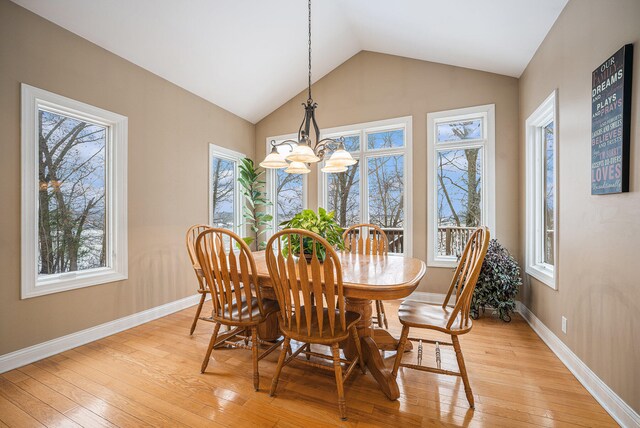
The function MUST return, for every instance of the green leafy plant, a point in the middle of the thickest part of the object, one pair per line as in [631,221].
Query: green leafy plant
[253,210]
[498,283]
[322,223]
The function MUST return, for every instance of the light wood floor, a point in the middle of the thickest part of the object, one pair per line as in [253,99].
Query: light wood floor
[149,376]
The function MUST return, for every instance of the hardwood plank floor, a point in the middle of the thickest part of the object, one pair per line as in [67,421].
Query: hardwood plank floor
[150,376]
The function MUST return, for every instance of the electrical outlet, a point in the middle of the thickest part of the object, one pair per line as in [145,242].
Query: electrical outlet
[564,324]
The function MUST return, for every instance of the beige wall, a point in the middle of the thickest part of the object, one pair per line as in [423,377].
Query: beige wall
[169,132]
[372,86]
[598,236]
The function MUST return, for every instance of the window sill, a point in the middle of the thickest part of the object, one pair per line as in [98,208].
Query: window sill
[80,280]
[442,263]
[542,274]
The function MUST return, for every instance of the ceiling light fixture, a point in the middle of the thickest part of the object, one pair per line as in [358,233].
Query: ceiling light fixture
[305,150]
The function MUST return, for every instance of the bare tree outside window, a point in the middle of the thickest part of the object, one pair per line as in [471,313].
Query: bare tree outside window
[72,190]
[343,189]
[223,192]
[549,193]
[289,191]
[459,187]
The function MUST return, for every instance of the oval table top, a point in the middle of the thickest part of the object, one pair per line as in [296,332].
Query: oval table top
[379,277]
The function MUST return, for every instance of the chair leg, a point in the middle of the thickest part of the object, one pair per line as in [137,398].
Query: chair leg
[403,341]
[384,315]
[283,355]
[379,314]
[254,350]
[463,370]
[203,296]
[356,340]
[342,404]
[212,342]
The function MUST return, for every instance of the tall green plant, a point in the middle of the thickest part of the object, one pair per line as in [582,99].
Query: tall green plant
[255,201]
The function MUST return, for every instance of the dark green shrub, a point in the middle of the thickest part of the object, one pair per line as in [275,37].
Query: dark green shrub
[498,283]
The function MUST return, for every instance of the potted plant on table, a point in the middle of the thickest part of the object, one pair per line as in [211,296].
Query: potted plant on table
[321,223]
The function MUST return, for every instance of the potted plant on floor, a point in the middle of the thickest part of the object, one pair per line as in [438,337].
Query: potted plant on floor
[322,223]
[498,283]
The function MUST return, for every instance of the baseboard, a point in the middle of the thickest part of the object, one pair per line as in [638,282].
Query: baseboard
[612,403]
[37,352]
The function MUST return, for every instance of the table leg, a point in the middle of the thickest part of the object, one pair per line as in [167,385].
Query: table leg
[370,349]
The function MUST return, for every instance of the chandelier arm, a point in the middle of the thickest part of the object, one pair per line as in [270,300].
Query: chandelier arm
[328,144]
[283,143]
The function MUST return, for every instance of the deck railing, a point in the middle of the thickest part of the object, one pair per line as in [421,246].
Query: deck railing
[452,239]
[395,235]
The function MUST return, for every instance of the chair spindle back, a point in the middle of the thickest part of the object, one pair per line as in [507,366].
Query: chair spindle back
[466,276]
[230,271]
[365,239]
[192,235]
[310,283]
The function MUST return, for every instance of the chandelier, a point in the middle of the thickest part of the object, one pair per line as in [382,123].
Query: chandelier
[306,150]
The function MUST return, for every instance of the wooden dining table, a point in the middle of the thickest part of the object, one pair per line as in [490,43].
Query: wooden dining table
[365,278]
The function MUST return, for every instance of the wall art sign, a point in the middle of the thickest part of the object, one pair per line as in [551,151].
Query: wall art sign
[611,123]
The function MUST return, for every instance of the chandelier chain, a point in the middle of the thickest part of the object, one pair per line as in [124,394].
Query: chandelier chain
[309,49]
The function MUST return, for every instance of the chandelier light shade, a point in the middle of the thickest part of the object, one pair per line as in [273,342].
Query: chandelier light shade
[302,153]
[274,160]
[341,157]
[309,148]
[297,168]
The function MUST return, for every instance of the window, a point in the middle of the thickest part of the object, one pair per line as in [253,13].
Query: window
[225,203]
[461,152]
[541,217]
[286,191]
[74,194]
[375,189]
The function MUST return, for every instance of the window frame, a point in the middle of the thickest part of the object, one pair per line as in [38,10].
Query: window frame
[535,266]
[364,154]
[238,199]
[32,99]
[487,143]
[271,184]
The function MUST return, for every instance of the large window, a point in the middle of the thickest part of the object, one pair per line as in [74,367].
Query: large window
[376,189]
[225,203]
[287,192]
[461,179]
[74,230]
[541,230]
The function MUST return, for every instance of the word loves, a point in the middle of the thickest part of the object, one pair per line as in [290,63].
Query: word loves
[610,123]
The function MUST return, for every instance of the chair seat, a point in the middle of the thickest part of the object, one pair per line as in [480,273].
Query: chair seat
[434,317]
[268,306]
[316,335]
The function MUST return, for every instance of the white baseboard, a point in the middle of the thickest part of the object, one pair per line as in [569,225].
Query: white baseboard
[612,403]
[37,352]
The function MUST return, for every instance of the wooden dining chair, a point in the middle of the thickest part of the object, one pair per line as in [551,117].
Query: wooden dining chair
[368,239]
[203,290]
[227,262]
[312,304]
[453,321]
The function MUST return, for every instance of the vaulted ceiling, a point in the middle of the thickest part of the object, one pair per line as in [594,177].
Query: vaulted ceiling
[250,56]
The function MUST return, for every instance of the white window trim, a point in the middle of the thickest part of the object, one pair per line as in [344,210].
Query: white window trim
[362,129]
[116,190]
[233,156]
[546,112]
[271,184]
[487,112]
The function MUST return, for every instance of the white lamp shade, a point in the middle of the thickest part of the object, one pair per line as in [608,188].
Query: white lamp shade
[333,168]
[341,157]
[302,153]
[274,160]
[297,168]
